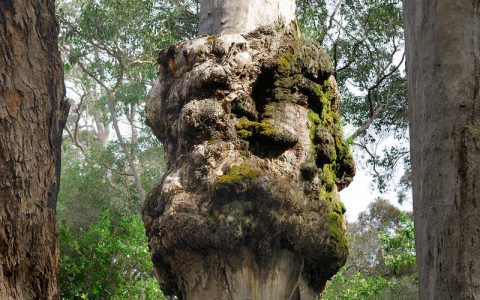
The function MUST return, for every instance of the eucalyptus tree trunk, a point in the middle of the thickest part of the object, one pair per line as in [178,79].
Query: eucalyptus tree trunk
[223,17]
[443,70]
[249,206]
[32,116]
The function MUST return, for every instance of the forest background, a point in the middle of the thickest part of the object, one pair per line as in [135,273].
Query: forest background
[111,160]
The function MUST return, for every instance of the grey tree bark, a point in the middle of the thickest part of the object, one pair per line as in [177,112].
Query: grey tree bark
[32,116]
[443,70]
[223,17]
[249,205]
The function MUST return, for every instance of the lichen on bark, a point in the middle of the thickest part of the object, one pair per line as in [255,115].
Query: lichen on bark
[255,157]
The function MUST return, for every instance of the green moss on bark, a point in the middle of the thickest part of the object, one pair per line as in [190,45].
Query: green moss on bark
[328,146]
[247,128]
[285,63]
[264,132]
[238,173]
[337,235]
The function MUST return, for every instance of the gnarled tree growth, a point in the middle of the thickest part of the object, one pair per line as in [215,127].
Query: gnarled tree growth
[249,206]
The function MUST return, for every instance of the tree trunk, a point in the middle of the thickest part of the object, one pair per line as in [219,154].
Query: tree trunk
[249,207]
[126,151]
[223,17]
[443,70]
[241,276]
[32,116]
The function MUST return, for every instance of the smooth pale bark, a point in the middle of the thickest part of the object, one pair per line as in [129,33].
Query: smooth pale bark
[224,16]
[126,151]
[32,116]
[443,70]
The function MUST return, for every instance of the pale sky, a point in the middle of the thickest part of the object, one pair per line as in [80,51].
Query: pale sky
[361,192]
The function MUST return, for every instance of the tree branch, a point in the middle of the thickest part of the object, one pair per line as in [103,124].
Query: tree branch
[363,129]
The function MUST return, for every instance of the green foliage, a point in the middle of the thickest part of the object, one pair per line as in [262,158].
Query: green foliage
[365,40]
[356,287]
[400,247]
[110,47]
[113,38]
[95,180]
[381,264]
[109,260]
[131,93]
[85,191]
[152,155]
[103,247]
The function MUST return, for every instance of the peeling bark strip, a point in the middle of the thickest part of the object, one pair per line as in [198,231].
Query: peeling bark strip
[443,65]
[32,116]
[249,207]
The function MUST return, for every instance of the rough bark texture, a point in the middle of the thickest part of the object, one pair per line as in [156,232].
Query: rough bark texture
[221,17]
[443,68]
[32,115]
[249,207]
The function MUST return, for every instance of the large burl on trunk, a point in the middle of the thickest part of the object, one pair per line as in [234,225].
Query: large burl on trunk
[249,206]
[32,116]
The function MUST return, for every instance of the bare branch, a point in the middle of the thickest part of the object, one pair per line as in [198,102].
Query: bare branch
[372,155]
[116,171]
[94,77]
[332,16]
[363,129]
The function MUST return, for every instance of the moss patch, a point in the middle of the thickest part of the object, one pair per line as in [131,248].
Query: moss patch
[285,63]
[303,57]
[264,132]
[238,173]
[211,39]
[255,128]
[328,146]
[337,237]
